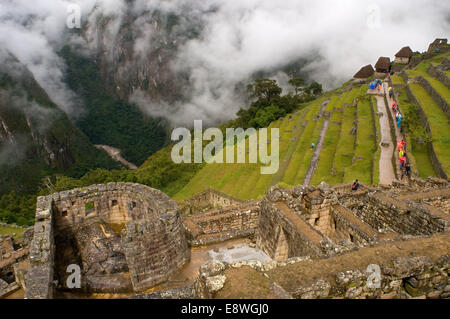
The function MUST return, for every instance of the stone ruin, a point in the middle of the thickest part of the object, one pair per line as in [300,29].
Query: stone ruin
[123,236]
[323,221]
[129,237]
[13,263]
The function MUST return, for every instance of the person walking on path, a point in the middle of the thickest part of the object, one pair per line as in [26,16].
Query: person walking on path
[391,92]
[395,107]
[398,116]
[402,161]
[408,170]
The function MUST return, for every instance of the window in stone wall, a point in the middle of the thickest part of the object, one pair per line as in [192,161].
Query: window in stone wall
[351,238]
[114,202]
[73,203]
[316,221]
[64,213]
[89,207]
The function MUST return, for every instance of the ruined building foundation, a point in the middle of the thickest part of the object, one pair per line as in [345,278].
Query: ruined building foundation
[123,236]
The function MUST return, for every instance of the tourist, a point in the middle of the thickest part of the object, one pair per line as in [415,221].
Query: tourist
[395,107]
[391,92]
[408,170]
[400,145]
[355,185]
[312,145]
[399,119]
[401,153]
[402,161]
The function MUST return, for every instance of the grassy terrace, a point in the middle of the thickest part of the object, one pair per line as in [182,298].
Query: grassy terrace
[397,80]
[303,146]
[420,154]
[439,125]
[362,167]
[421,69]
[6,230]
[346,141]
[244,180]
[325,163]
[377,154]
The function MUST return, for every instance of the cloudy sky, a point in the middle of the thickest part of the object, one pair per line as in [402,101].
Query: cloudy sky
[239,39]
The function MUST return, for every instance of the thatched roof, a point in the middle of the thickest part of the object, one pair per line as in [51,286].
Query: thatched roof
[383,63]
[364,72]
[405,52]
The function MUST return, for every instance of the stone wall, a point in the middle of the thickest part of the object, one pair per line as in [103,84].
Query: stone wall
[440,101]
[403,278]
[209,198]
[155,249]
[439,74]
[222,224]
[423,118]
[404,217]
[87,222]
[347,226]
[283,234]
[6,246]
[39,283]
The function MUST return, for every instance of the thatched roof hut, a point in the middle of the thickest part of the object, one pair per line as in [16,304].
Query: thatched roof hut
[365,72]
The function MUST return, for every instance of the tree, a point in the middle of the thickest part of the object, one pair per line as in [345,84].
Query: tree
[315,88]
[297,83]
[264,90]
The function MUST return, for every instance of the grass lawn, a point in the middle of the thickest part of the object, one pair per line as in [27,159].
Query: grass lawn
[6,230]
[244,180]
[397,80]
[325,163]
[421,69]
[303,145]
[422,158]
[439,125]
[345,146]
[377,154]
[418,153]
[365,146]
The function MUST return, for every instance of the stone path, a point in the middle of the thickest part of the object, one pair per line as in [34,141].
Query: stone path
[318,148]
[386,170]
[398,134]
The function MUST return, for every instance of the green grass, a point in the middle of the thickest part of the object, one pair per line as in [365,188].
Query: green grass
[6,230]
[422,158]
[418,153]
[325,162]
[397,80]
[439,125]
[377,154]
[303,145]
[365,146]
[244,180]
[421,70]
[345,144]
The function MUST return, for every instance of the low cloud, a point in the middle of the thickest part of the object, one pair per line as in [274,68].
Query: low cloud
[236,40]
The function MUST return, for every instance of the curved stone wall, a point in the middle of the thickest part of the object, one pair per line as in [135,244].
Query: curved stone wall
[123,236]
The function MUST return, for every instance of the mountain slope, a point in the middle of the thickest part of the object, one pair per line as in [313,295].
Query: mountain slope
[36,137]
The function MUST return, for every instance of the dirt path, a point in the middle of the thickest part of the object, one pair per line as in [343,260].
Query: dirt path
[115,155]
[386,170]
[315,157]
